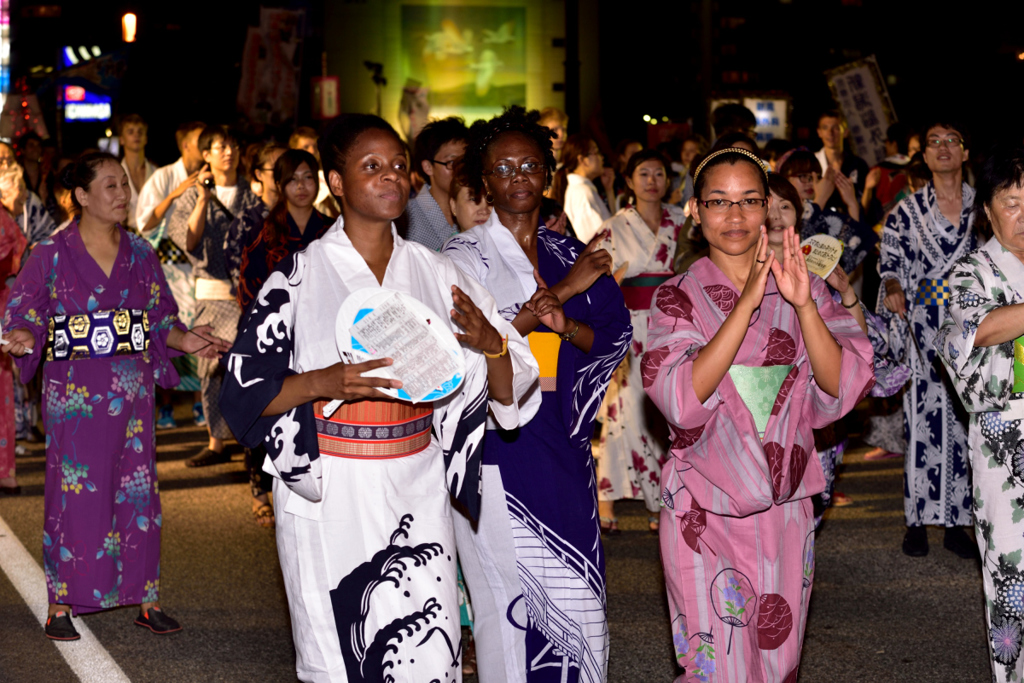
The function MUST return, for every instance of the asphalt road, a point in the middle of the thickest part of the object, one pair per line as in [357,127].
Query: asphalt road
[876,615]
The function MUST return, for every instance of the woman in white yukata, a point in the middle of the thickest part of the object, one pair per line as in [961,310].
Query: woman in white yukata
[634,435]
[364,523]
[980,342]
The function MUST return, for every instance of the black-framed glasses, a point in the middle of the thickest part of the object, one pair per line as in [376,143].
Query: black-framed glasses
[446,164]
[949,140]
[724,205]
[504,170]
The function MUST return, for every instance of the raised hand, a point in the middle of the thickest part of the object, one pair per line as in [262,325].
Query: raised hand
[824,188]
[591,264]
[19,342]
[848,193]
[547,307]
[480,334]
[792,278]
[753,290]
[839,280]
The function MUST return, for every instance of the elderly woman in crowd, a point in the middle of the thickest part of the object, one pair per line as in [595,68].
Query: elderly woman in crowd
[981,344]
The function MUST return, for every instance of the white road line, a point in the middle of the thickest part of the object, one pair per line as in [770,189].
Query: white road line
[87,657]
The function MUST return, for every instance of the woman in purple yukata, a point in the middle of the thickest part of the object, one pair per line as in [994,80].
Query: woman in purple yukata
[92,306]
[746,356]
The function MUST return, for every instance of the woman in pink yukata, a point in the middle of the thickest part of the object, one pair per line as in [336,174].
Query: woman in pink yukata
[746,356]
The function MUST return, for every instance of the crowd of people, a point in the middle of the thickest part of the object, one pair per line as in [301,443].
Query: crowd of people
[638,327]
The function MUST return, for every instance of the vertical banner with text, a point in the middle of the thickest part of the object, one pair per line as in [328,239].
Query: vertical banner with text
[860,92]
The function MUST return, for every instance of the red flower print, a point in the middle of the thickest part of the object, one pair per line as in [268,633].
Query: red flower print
[638,463]
[684,438]
[636,490]
[722,296]
[654,477]
[787,386]
[638,348]
[797,465]
[612,412]
[774,621]
[650,365]
[662,255]
[781,349]
[775,454]
[605,485]
[674,302]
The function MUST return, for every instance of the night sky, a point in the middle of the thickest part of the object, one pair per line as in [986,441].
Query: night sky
[957,57]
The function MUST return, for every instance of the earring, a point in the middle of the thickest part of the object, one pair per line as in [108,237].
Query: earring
[489,199]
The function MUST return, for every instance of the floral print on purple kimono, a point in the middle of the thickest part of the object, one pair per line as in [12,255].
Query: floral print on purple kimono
[101,538]
[737,532]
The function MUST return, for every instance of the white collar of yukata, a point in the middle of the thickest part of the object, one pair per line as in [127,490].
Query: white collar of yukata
[732,150]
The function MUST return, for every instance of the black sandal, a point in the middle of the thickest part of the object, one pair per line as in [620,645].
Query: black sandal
[156,621]
[59,627]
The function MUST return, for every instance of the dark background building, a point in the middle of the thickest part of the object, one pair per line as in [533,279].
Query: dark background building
[658,58]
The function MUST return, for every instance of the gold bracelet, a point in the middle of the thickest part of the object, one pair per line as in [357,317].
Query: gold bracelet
[504,349]
[570,335]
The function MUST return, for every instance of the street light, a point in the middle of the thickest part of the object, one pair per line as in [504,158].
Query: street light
[128,24]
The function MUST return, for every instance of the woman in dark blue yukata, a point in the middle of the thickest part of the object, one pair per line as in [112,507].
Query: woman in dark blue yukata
[291,225]
[534,562]
[93,308]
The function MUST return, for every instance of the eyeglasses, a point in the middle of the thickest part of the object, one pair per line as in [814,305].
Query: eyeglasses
[806,177]
[509,171]
[223,147]
[951,141]
[265,169]
[446,164]
[724,205]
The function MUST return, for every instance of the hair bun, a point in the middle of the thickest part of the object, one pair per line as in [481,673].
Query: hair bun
[67,176]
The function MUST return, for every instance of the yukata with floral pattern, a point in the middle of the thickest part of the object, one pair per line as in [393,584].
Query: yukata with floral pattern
[919,247]
[737,528]
[12,247]
[832,440]
[101,534]
[982,282]
[634,435]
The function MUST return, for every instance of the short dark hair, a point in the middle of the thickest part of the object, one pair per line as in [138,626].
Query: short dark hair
[334,145]
[800,162]
[436,134]
[184,129]
[1003,168]
[775,148]
[210,135]
[733,117]
[831,114]
[132,118]
[731,158]
[944,122]
[275,228]
[82,172]
[900,134]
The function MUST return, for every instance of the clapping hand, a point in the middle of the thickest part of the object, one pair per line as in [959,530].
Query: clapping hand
[480,334]
[757,280]
[791,277]
[546,306]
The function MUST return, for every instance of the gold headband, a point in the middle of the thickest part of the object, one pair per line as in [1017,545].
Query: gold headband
[735,150]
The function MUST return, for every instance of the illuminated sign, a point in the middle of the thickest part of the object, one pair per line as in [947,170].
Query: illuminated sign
[74,93]
[87,111]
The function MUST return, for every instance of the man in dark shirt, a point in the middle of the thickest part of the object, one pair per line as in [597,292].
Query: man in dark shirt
[832,131]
